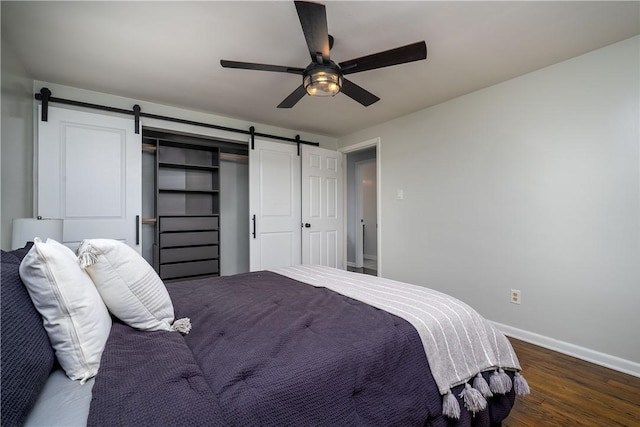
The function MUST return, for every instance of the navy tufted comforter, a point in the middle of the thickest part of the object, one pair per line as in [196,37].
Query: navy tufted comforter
[267,350]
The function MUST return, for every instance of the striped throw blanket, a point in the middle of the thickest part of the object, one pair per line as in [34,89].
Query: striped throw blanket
[458,342]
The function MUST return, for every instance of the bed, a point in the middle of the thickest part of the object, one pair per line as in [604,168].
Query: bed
[302,345]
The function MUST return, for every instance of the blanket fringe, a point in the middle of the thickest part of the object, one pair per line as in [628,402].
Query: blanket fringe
[520,385]
[499,382]
[182,325]
[474,401]
[86,255]
[450,406]
[475,396]
[480,384]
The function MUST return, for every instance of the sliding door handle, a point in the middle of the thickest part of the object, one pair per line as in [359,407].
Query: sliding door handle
[253,220]
[137,229]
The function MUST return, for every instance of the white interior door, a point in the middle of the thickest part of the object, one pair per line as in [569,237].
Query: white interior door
[274,205]
[89,173]
[322,230]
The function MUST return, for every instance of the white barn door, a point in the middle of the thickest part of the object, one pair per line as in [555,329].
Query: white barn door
[322,217]
[89,173]
[274,205]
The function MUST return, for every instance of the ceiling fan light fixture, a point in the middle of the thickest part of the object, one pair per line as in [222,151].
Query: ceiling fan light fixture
[323,77]
[322,82]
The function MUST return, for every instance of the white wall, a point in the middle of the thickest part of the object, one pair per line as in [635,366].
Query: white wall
[234,217]
[17,151]
[369,209]
[532,184]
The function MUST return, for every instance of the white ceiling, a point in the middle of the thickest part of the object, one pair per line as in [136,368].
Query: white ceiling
[169,52]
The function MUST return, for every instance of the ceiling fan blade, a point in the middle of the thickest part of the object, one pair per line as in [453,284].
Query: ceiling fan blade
[313,18]
[357,93]
[261,67]
[293,99]
[399,55]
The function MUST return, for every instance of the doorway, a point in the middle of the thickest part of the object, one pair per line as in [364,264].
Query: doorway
[366,248]
[362,207]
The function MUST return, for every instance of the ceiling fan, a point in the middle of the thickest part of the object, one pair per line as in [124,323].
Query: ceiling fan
[323,77]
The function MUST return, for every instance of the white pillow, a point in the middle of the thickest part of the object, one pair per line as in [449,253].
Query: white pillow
[73,313]
[129,286]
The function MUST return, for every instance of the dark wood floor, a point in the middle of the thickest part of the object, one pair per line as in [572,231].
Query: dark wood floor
[566,391]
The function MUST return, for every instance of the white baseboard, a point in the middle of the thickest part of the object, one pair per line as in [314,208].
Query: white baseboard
[593,356]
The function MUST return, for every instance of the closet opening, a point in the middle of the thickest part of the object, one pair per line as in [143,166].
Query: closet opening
[195,192]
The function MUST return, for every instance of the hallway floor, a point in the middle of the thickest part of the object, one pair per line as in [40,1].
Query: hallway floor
[371,270]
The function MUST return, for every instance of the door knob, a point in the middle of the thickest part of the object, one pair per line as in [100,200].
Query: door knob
[307,225]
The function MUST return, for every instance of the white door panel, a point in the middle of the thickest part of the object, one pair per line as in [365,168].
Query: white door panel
[276,249]
[314,248]
[274,205]
[90,174]
[92,156]
[322,207]
[333,255]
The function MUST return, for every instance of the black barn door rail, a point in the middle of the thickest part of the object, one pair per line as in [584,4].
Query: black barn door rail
[45,97]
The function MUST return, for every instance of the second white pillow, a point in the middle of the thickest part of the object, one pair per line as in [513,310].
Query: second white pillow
[129,286]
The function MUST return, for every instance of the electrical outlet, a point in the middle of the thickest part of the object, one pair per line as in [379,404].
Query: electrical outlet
[516,297]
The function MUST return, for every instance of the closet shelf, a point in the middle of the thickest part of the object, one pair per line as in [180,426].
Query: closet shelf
[176,190]
[187,209]
[187,166]
[193,215]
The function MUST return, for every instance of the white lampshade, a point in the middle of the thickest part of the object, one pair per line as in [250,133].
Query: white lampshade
[26,229]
